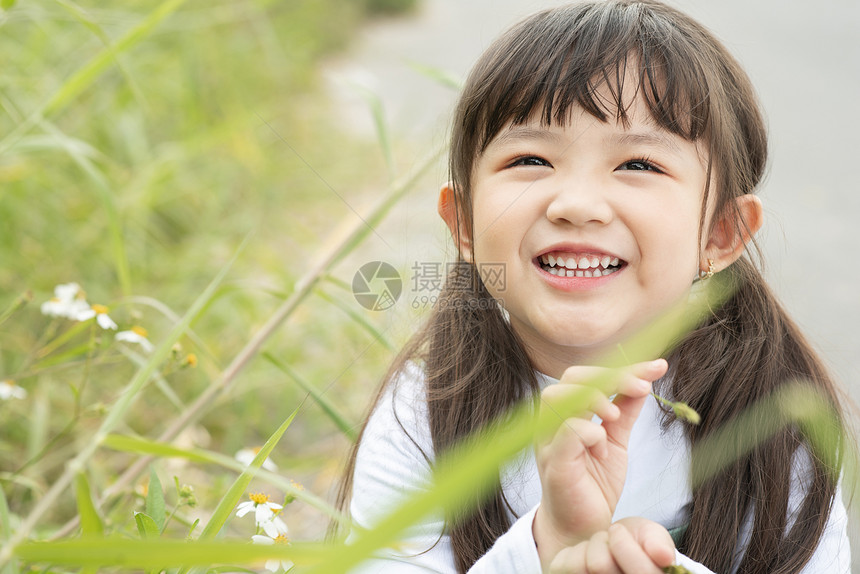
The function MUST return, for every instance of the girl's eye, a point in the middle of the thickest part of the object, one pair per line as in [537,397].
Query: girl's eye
[530,160]
[639,165]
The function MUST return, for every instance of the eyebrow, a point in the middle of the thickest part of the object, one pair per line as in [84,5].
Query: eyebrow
[651,138]
[526,133]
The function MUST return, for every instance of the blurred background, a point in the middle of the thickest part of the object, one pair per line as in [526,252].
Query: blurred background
[139,175]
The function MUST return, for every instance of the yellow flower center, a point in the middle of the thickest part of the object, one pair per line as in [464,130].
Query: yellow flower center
[9,382]
[140,331]
[296,485]
[259,498]
[100,309]
[281,539]
[191,359]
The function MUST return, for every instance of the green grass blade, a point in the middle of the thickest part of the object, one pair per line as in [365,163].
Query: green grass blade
[84,18]
[326,405]
[794,403]
[143,446]
[85,76]
[438,75]
[237,490]
[162,553]
[107,197]
[6,532]
[377,112]
[358,318]
[153,448]
[91,522]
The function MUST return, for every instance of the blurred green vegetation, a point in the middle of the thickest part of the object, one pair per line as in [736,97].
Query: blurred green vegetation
[212,128]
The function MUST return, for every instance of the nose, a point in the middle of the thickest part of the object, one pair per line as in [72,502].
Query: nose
[579,200]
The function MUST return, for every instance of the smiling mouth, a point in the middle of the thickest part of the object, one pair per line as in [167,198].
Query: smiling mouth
[579,265]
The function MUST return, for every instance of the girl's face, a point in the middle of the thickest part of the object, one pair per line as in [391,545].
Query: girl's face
[596,225]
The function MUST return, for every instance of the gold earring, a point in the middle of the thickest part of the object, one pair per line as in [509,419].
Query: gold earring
[710,272]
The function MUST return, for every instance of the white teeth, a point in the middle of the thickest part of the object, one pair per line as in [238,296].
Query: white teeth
[590,274]
[605,261]
[583,263]
[580,273]
[595,261]
[614,261]
[551,260]
[571,272]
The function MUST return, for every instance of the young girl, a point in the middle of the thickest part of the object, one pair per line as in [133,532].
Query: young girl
[604,155]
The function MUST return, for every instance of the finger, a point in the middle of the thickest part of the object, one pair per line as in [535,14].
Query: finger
[618,430]
[575,435]
[598,558]
[633,392]
[658,544]
[578,400]
[569,560]
[627,552]
[638,377]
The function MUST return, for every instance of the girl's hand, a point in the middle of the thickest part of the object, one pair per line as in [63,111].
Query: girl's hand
[630,546]
[583,466]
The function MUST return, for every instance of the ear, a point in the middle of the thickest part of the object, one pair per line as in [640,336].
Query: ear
[450,214]
[731,233]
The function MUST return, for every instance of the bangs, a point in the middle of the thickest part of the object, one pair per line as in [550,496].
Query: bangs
[578,55]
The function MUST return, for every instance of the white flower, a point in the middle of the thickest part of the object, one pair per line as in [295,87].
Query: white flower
[9,390]
[275,527]
[264,510]
[247,455]
[100,313]
[275,564]
[68,302]
[136,335]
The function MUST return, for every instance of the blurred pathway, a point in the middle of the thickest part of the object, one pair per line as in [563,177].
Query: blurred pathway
[803,59]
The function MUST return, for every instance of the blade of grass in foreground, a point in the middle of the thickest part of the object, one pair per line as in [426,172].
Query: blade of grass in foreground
[161,553]
[473,466]
[114,416]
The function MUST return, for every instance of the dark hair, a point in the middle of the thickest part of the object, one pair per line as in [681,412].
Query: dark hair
[474,363]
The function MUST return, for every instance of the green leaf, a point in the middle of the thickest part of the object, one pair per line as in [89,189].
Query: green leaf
[155,500]
[237,490]
[146,526]
[91,523]
[148,447]
[333,413]
[7,4]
